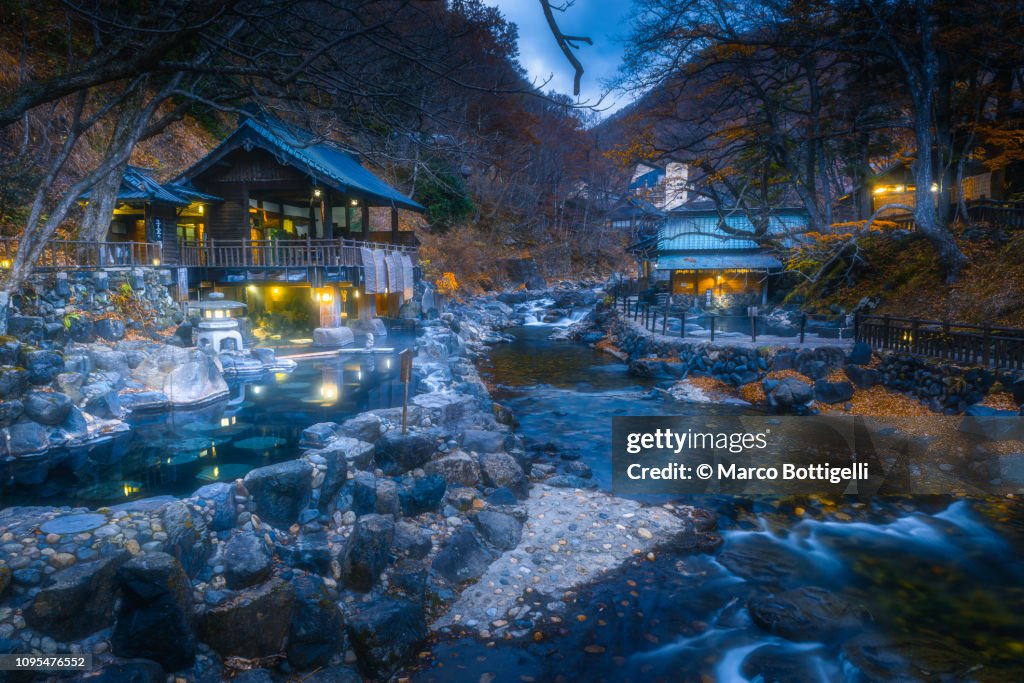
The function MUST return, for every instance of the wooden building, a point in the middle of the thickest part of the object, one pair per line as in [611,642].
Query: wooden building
[694,257]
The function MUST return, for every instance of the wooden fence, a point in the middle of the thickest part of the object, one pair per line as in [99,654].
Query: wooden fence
[986,345]
[78,255]
[245,253]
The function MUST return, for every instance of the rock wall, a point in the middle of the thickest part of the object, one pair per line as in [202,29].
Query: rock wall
[55,308]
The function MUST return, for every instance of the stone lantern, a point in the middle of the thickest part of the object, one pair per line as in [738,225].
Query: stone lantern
[217,329]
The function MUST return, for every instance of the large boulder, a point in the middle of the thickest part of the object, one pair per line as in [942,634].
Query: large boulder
[281,492]
[500,530]
[254,623]
[463,557]
[317,630]
[10,411]
[386,634]
[110,329]
[807,613]
[187,537]
[364,427]
[788,393]
[27,437]
[154,619]
[371,494]
[333,336]
[448,409]
[77,600]
[458,469]
[47,407]
[185,376]
[335,461]
[42,366]
[422,495]
[398,453]
[13,382]
[860,354]
[366,552]
[247,560]
[833,392]
[483,441]
[501,469]
[318,435]
[862,377]
[219,500]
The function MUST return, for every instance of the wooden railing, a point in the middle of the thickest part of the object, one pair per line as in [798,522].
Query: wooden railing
[1006,214]
[78,255]
[245,253]
[986,345]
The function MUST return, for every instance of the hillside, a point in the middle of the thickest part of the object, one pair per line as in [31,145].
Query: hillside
[902,275]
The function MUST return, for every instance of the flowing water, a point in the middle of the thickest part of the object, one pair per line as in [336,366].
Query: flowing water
[901,589]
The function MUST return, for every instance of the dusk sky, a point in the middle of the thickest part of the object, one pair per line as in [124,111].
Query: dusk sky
[604,21]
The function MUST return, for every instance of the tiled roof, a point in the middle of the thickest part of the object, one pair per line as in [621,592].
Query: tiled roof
[321,159]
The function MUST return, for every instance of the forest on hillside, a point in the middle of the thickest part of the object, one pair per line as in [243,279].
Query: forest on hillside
[429,94]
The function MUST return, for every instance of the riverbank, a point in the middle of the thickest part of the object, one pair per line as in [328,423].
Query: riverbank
[339,561]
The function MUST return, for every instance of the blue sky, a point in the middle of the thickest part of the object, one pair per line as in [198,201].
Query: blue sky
[604,21]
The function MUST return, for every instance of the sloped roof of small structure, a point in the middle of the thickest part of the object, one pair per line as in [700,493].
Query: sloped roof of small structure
[139,185]
[316,157]
[698,228]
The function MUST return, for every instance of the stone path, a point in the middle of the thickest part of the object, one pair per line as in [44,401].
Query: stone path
[571,537]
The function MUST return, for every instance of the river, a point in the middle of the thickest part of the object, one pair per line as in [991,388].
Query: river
[925,588]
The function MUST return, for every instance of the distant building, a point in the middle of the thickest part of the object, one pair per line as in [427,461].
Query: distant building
[693,256]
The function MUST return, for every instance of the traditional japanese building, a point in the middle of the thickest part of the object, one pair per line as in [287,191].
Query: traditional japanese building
[290,223]
[694,256]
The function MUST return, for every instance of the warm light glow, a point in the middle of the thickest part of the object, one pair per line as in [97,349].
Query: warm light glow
[880,190]
[252,289]
[935,187]
[130,489]
[200,209]
[387,363]
[257,390]
[218,313]
[5,264]
[225,422]
[329,391]
[355,294]
[275,290]
[156,262]
[359,375]
[216,472]
[316,192]
[279,376]
[327,297]
[355,202]
[208,313]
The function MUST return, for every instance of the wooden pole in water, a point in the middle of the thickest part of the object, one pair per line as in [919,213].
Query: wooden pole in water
[406,377]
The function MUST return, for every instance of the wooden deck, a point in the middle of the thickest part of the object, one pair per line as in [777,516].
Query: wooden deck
[253,254]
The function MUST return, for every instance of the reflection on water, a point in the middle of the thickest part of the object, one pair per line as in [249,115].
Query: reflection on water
[922,589]
[177,452]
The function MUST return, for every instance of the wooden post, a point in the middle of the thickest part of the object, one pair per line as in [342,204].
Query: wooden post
[327,215]
[366,220]
[394,225]
[986,340]
[713,328]
[753,328]
[856,326]
[682,324]
[886,332]
[664,318]
[406,377]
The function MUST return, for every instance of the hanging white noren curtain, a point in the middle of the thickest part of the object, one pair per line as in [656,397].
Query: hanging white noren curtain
[373,276]
[394,273]
[407,277]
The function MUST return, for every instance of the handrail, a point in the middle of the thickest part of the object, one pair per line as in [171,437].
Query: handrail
[82,254]
[280,253]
